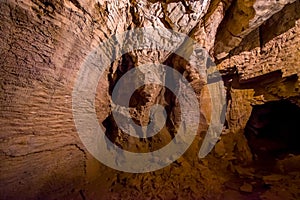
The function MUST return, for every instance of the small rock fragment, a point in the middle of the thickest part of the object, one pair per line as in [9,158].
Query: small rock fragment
[272,178]
[220,149]
[246,187]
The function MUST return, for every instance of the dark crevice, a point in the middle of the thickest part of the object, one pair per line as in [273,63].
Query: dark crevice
[82,194]
[273,132]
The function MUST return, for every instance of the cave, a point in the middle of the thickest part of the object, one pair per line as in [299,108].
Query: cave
[148,99]
[272,132]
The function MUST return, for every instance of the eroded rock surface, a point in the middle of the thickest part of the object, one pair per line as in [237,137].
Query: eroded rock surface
[256,45]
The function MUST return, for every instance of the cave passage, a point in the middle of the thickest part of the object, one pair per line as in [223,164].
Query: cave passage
[273,131]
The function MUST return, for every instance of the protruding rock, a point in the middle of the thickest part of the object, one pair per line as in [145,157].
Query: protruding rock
[246,187]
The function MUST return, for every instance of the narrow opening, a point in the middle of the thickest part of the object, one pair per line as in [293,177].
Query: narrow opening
[273,132]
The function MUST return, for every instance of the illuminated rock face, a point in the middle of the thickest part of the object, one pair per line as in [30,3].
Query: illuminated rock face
[255,44]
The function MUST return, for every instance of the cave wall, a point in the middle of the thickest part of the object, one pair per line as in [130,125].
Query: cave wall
[256,46]
[264,67]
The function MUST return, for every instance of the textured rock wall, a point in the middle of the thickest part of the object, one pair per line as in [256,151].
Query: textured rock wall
[265,67]
[256,45]
[42,43]
[242,18]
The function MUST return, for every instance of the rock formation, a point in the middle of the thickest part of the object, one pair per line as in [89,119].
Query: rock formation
[256,47]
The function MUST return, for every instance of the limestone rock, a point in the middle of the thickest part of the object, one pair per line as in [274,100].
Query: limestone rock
[244,17]
[43,43]
[246,187]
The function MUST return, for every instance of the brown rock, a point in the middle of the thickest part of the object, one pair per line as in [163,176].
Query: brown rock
[246,187]
[270,179]
[43,44]
[220,149]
